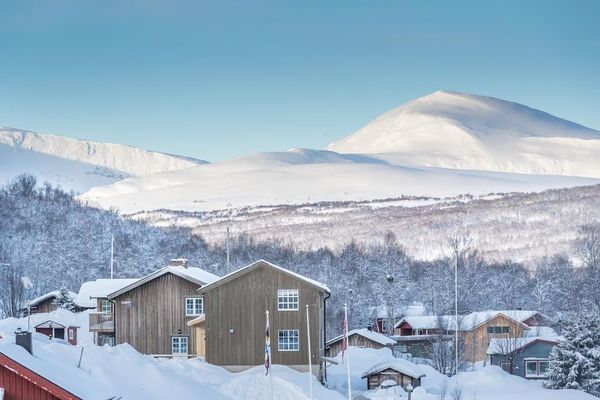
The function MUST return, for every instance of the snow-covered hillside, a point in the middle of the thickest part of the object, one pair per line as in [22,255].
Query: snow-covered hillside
[456,130]
[76,164]
[300,176]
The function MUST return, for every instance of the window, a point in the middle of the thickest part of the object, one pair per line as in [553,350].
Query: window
[536,368]
[106,308]
[288,340]
[71,334]
[498,329]
[287,299]
[506,329]
[179,345]
[194,306]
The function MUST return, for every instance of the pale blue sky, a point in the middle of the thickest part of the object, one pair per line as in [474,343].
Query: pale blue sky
[220,79]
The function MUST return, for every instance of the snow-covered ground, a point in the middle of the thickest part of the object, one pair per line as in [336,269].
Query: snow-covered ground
[122,371]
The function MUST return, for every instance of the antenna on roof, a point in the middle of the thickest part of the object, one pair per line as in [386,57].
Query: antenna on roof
[112,255]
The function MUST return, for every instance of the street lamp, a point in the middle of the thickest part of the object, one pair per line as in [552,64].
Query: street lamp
[409,389]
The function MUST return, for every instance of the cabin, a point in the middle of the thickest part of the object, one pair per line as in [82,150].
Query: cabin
[415,334]
[364,338]
[57,330]
[93,295]
[526,357]
[235,318]
[151,314]
[400,371]
[45,303]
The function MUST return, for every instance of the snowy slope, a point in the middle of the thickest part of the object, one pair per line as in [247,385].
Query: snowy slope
[76,164]
[455,130]
[299,176]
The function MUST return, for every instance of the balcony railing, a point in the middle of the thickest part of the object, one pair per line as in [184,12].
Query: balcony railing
[102,322]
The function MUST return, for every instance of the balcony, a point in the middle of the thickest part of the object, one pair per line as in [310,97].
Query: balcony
[102,322]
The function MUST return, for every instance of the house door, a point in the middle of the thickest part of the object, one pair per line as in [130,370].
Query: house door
[200,342]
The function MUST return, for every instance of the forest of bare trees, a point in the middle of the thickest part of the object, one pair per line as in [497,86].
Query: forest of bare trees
[57,241]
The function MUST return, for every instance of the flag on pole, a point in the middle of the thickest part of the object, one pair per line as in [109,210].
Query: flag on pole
[267,347]
[345,334]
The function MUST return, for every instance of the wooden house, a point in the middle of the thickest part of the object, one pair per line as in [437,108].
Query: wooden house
[400,371]
[93,295]
[364,338]
[477,329]
[526,357]
[151,314]
[235,309]
[58,330]
[45,303]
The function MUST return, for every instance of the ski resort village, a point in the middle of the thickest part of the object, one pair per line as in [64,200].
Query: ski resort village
[315,200]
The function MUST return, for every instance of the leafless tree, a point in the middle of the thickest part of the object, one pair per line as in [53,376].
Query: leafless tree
[509,348]
[12,290]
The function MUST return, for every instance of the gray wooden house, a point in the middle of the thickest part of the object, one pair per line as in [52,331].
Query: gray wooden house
[525,357]
[151,314]
[234,326]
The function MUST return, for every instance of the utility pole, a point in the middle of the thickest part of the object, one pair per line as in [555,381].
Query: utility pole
[309,352]
[112,255]
[456,315]
[227,249]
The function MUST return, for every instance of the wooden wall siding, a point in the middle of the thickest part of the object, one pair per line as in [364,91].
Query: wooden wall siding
[240,305]
[537,350]
[476,341]
[45,306]
[156,313]
[354,340]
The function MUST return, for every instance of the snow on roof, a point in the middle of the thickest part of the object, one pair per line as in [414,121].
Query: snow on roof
[402,366]
[504,345]
[49,295]
[541,331]
[465,322]
[59,316]
[196,275]
[287,271]
[100,288]
[371,335]
[68,377]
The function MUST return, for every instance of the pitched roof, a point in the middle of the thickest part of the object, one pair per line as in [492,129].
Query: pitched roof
[371,335]
[500,345]
[195,275]
[65,376]
[100,288]
[399,365]
[260,263]
[49,295]
[465,322]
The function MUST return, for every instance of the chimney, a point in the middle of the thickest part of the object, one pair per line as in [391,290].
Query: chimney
[23,339]
[178,262]
[370,327]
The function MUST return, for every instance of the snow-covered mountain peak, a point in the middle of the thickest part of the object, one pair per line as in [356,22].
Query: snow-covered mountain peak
[465,131]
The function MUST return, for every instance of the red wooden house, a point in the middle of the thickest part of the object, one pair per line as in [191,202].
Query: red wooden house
[56,330]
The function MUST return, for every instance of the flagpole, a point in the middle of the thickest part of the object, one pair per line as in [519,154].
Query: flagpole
[268,346]
[348,355]
[309,352]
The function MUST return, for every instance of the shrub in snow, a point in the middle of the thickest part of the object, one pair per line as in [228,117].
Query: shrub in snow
[575,361]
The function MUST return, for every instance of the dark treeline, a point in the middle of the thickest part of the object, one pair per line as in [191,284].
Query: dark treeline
[57,241]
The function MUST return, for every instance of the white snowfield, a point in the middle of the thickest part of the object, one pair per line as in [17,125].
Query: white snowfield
[123,372]
[90,291]
[77,164]
[464,131]
[305,176]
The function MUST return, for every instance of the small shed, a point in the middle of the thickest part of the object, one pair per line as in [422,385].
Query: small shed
[198,335]
[56,330]
[364,338]
[402,372]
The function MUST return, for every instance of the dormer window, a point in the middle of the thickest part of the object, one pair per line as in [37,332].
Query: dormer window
[288,299]
[194,306]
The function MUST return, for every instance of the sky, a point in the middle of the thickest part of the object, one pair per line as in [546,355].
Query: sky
[217,80]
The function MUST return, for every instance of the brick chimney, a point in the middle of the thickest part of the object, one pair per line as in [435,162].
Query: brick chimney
[178,262]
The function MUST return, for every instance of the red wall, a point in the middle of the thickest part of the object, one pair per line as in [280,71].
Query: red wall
[20,383]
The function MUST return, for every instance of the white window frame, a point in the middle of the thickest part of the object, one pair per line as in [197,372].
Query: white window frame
[71,334]
[179,340]
[537,368]
[286,297]
[197,306]
[103,302]
[287,345]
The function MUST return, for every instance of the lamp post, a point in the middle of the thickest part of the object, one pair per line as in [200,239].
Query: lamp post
[409,389]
